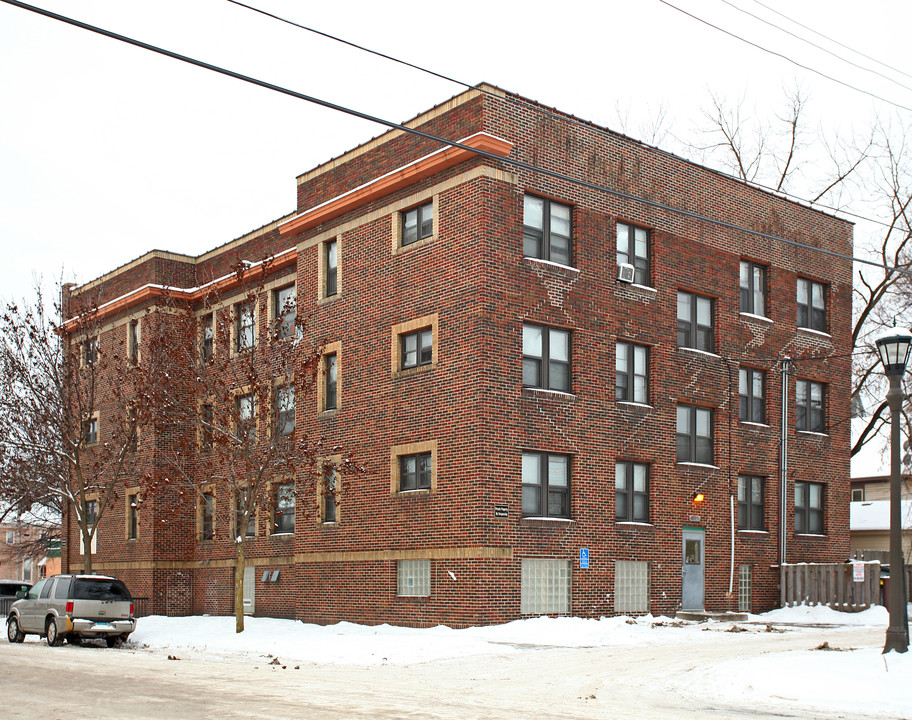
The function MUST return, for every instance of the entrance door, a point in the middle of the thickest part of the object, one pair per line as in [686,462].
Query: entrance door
[249,588]
[692,570]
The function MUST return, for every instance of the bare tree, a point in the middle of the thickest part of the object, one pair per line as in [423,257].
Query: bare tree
[71,403]
[235,451]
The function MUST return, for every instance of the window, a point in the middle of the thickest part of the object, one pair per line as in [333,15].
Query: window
[858,494]
[418,223]
[633,249]
[330,381]
[246,420]
[331,263]
[10,537]
[90,431]
[752,395]
[284,305]
[285,409]
[207,516]
[133,341]
[284,516]
[810,406]
[413,578]
[545,485]
[546,358]
[631,492]
[750,503]
[239,510]
[546,230]
[811,305]
[91,513]
[90,351]
[207,338]
[245,328]
[695,322]
[330,488]
[417,348]
[694,431]
[132,516]
[744,588]
[753,288]
[415,471]
[632,379]
[206,427]
[631,586]
[545,586]
[809,508]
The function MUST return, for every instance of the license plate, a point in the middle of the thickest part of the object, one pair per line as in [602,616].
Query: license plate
[103,626]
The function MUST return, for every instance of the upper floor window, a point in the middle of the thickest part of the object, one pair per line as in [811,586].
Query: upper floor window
[415,471]
[811,305]
[90,351]
[753,288]
[546,358]
[90,431]
[751,395]
[810,405]
[284,301]
[631,492]
[246,421]
[133,341]
[695,322]
[331,261]
[132,516]
[417,348]
[418,223]
[207,430]
[694,435]
[329,496]
[632,373]
[633,249]
[545,485]
[207,516]
[330,381]
[240,508]
[750,502]
[245,328]
[546,230]
[207,337]
[809,508]
[285,409]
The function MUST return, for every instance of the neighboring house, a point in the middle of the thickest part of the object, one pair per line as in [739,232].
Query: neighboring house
[542,380]
[869,519]
[24,553]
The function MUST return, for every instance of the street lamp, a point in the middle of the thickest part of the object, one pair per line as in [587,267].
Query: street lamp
[894,347]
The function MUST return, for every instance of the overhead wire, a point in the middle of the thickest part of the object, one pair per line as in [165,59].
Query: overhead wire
[447,142]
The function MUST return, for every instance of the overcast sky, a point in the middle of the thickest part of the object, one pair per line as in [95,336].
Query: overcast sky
[108,151]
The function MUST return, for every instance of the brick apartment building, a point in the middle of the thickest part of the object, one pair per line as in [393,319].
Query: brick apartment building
[540,378]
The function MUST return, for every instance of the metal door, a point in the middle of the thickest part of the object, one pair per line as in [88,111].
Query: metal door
[692,570]
[249,589]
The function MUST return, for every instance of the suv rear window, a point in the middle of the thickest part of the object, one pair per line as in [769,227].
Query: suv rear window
[98,589]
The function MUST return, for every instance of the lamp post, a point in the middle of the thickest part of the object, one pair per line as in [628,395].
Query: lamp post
[894,347]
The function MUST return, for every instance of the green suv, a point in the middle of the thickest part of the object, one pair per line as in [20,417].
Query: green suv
[73,607]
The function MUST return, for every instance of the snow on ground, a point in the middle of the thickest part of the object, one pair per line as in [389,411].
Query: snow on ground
[844,679]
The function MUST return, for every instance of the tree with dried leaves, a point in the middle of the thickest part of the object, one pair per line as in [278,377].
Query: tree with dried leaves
[233,370]
[58,452]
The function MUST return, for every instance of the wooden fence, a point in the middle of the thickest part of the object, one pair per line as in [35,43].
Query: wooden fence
[830,584]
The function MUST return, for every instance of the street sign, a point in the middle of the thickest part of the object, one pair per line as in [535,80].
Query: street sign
[584,558]
[858,574]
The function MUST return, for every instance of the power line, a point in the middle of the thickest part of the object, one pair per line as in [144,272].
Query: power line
[835,42]
[780,55]
[543,110]
[813,44]
[443,141]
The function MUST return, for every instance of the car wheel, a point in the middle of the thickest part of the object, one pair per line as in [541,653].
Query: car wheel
[13,633]
[53,635]
[74,640]
[113,640]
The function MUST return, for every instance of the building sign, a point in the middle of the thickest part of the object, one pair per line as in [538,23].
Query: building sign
[501,511]
[584,558]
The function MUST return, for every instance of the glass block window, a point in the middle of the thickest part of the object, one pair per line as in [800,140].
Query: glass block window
[545,587]
[744,588]
[414,578]
[631,586]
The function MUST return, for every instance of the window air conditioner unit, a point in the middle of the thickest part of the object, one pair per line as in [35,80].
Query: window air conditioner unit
[626,272]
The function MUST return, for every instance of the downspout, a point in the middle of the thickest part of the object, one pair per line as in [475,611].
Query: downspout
[731,566]
[783,461]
